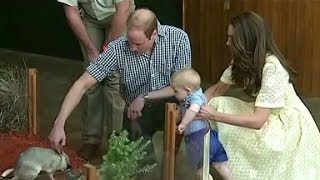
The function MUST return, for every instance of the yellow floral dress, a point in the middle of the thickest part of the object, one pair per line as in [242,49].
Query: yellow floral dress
[287,147]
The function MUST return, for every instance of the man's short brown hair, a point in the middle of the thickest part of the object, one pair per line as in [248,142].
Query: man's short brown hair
[143,19]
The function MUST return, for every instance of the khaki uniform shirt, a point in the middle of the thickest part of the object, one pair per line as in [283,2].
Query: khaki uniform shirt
[99,9]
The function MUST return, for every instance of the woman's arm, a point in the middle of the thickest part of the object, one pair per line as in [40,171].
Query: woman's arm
[217,89]
[254,121]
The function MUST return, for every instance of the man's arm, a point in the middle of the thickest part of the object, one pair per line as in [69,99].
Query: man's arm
[76,24]
[182,60]
[163,93]
[73,98]
[57,135]
[135,108]
[118,21]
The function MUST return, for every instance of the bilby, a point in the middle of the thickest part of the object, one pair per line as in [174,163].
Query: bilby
[36,159]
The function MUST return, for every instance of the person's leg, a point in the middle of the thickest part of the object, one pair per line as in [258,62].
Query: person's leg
[218,156]
[194,148]
[222,169]
[93,101]
[114,102]
[198,174]
[152,119]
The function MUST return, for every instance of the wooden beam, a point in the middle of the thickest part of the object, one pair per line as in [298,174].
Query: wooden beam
[169,141]
[33,101]
[206,157]
[91,172]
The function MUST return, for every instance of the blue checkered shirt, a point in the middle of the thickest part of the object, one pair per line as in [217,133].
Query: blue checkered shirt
[141,74]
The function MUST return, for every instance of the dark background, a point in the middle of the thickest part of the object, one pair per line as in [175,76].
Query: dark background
[39,26]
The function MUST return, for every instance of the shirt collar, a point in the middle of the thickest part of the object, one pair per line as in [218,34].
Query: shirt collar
[160,29]
[161,32]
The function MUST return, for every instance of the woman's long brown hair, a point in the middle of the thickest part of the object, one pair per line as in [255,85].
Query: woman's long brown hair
[251,41]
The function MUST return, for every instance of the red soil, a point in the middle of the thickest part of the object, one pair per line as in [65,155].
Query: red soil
[13,143]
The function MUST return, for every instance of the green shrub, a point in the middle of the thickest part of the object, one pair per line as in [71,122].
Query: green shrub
[13,98]
[121,161]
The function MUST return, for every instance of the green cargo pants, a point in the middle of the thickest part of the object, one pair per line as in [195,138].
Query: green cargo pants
[103,102]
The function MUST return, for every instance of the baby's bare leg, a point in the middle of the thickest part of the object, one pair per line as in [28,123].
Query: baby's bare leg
[222,169]
[198,175]
[51,176]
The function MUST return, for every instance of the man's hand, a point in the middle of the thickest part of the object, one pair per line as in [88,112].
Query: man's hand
[135,108]
[57,138]
[181,128]
[93,54]
[105,46]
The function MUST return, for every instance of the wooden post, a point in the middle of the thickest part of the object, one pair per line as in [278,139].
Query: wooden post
[91,172]
[32,101]
[206,157]
[169,141]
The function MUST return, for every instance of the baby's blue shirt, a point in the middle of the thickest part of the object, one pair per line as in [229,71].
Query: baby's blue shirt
[199,98]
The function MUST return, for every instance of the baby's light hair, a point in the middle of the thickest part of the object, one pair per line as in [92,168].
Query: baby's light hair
[188,77]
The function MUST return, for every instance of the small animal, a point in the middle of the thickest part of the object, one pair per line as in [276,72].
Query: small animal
[36,159]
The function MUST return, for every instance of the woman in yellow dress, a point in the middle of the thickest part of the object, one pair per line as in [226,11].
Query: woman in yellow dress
[274,137]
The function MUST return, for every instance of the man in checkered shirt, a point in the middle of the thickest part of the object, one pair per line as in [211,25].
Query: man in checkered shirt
[145,59]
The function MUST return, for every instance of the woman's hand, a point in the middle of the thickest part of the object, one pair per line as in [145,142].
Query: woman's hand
[208,112]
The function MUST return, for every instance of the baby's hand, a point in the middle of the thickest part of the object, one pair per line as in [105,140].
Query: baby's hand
[181,128]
